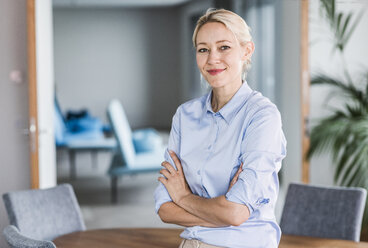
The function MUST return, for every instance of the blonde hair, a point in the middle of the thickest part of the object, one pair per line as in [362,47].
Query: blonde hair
[233,22]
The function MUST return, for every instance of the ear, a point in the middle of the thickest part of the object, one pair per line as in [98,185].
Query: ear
[248,50]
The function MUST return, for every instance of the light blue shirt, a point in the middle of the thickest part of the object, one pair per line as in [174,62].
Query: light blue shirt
[212,146]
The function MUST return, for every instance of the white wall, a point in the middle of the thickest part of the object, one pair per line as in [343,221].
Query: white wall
[129,54]
[322,59]
[14,153]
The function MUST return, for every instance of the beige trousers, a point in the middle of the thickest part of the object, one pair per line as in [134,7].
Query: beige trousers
[186,243]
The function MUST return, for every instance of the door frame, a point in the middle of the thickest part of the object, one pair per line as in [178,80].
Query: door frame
[41,94]
[32,93]
[304,89]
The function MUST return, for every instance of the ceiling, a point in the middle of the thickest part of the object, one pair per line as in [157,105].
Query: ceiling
[118,3]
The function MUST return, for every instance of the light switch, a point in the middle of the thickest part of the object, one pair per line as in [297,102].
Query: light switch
[16,77]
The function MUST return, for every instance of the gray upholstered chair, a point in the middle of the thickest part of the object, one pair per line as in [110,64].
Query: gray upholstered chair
[16,240]
[325,212]
[41,215]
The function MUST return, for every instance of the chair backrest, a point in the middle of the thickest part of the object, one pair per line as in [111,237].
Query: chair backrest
[325,212]
[17,240]
[122,131]
[59,124]
[44,214]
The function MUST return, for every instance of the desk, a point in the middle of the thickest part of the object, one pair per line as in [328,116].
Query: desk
[290,241]
[90,145]
[122,238]
[169,238]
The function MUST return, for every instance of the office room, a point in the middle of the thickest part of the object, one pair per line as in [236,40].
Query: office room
[135,60]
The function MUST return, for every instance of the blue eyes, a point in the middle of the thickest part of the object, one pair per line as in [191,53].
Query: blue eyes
[204,50]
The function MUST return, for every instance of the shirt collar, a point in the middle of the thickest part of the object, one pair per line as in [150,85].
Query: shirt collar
[231,108]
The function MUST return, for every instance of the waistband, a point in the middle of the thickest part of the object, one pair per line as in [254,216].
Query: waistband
[193,243]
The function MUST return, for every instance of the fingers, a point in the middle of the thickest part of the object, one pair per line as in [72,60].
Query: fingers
[176,161]
[240,169]
[234,180]
[162,180]
[236,176]
[168,167]
[165,173]
[238,173]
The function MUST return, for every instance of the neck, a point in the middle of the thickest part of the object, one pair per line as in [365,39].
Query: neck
[221,96]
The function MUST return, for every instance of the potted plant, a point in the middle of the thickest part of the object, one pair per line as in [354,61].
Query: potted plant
[344,133]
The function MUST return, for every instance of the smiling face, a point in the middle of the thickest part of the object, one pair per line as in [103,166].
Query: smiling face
[220,57]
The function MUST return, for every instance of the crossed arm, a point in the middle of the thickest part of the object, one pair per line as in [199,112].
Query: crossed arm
[188,209]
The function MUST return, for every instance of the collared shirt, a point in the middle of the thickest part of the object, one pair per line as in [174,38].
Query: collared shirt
[212,146]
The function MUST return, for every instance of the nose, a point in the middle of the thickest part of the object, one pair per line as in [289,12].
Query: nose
[213,57]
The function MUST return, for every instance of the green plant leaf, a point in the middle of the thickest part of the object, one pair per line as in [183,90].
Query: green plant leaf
[345,38]
[344,133]
[328,8]
[350,91]
[358,163]
[340,34]
[338,22]
[343,167]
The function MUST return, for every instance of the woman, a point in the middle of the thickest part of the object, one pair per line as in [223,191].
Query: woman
[225,149]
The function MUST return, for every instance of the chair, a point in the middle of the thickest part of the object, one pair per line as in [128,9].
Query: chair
[127,160]
[324,212]
[88,137]
[41,215]
[16,240]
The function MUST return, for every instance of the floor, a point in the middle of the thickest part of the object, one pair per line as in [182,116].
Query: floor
[135,207]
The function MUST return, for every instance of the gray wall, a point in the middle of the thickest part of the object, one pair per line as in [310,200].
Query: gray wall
[14,155]
[129,54]
[288,90]
[290,87]
[191,85]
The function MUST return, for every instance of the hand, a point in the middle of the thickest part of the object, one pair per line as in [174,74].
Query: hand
[174,180]
[236,176]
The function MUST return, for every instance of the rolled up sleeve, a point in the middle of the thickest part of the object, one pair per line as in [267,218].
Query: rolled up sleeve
[161,195]
[262,150]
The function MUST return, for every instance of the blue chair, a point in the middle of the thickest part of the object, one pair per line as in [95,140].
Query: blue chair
[128,158]
[39,216]
[323,212]
[85,134]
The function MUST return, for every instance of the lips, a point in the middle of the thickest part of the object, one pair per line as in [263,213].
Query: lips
[215,71]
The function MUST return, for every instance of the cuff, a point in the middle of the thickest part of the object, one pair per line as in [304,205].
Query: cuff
[161,196]
[247,191]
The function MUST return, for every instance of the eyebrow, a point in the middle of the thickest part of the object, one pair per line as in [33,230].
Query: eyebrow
[220,41]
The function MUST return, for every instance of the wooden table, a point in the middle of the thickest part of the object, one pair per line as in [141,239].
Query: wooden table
[291,241]
[169,238]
